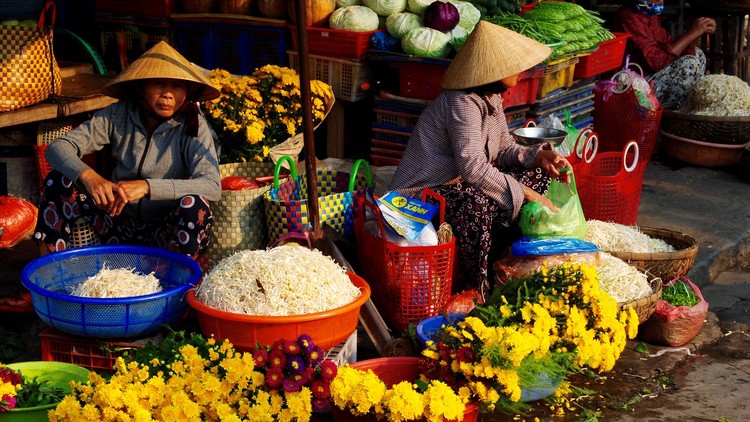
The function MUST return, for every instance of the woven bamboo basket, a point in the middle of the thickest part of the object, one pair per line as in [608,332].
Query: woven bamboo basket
[238,219]
[665,265]
[645,306]
[732,130]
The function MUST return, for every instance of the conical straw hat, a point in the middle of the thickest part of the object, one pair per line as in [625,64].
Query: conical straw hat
[491,53]
[160,61]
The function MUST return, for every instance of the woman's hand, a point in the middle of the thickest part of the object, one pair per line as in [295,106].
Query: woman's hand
[552,162]
[530,195]
[102,191]
[129,191]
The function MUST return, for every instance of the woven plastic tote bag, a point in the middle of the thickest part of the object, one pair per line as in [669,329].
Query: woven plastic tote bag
[28,69]
[286,204]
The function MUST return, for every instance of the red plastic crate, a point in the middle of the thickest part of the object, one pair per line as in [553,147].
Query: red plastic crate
[526,89]
[92,354]
[145,8]
[420,80]
[607,57]
[335,42]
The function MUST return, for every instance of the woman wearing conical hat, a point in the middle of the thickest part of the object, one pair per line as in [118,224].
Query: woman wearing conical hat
[163,168]
[462,148]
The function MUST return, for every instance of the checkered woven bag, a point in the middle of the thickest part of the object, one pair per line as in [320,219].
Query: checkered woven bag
[285,205]
[29,73]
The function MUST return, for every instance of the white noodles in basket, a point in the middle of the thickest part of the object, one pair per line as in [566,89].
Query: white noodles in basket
[281,281]
[615,237]
[118,282]
[621,280]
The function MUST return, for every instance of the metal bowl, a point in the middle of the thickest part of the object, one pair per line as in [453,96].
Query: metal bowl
[534,135]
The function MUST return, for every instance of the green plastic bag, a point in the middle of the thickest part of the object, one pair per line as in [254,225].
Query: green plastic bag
[538,221]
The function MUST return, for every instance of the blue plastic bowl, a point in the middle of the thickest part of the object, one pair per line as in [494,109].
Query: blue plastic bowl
[50,278]
[427,328]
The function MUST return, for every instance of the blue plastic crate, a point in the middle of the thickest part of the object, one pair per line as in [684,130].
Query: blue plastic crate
[237,48]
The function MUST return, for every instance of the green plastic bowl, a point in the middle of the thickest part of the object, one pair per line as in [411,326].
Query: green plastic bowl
[58,374]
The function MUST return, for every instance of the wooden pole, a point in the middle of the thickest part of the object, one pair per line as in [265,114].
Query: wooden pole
[311,171]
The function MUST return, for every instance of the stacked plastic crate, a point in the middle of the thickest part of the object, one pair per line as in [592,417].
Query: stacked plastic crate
[339,58]
[128,28]
[236,43]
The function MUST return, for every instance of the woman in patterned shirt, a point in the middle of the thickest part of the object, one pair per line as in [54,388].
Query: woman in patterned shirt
[462,148]
[673,64]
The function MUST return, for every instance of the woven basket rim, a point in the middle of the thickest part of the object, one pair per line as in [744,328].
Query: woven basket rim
[645,306]
[690,252]
[691,116]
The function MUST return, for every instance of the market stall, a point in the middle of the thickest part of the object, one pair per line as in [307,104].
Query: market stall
[269,331]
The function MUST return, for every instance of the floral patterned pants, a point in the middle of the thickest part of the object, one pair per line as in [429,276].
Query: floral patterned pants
[672,84]
[185,230]
[482,232]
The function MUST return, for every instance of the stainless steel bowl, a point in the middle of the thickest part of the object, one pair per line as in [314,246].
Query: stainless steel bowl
[534,135]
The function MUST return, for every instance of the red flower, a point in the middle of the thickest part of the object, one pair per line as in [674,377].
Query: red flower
[328,369]
[320,404]
[465,354]
[278,344]
[11,376]
[274,377]
[292,385]
[260,357]
[292,348]
[321,389]
[7,403]
[277,359]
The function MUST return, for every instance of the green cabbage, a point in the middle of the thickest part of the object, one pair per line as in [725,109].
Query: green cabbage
[418,6]
[399,24]
[426,42]
[385,7]
[344,3]
[354,18]
[468,14]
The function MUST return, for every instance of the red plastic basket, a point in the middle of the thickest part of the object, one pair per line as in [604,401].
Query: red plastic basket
[619,118]
[607,57]
[610,185]
[409,283]
[95,355]
[419,79]
[525,90]
[335,42]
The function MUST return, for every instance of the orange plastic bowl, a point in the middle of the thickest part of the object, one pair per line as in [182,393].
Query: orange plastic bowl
[327,328]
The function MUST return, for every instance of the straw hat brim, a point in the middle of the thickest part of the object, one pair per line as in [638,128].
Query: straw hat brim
[161,61]
[490,54]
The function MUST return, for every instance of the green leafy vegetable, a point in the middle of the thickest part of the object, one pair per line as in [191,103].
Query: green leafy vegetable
[680,294]
[36,392]
[642,348]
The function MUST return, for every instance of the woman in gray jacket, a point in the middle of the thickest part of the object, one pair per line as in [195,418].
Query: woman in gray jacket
[163,168]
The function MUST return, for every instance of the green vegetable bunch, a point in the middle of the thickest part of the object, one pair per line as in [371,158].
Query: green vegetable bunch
[679,294]
[553,22]
[35,392]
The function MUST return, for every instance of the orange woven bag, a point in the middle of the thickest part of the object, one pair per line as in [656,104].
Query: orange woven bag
[28,69]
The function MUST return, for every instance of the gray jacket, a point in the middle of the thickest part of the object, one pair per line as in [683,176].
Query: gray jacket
[173,163]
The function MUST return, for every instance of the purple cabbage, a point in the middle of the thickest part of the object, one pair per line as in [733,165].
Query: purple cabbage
[442,16]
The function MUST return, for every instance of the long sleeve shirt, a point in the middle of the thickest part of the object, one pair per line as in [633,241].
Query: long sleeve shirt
[652,42]
[464,135]
[173,163]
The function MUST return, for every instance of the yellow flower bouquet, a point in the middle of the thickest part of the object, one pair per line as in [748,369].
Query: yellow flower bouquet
[257,112]
[529,334]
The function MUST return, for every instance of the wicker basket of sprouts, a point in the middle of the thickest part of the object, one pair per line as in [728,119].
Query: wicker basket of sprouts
[667,254]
